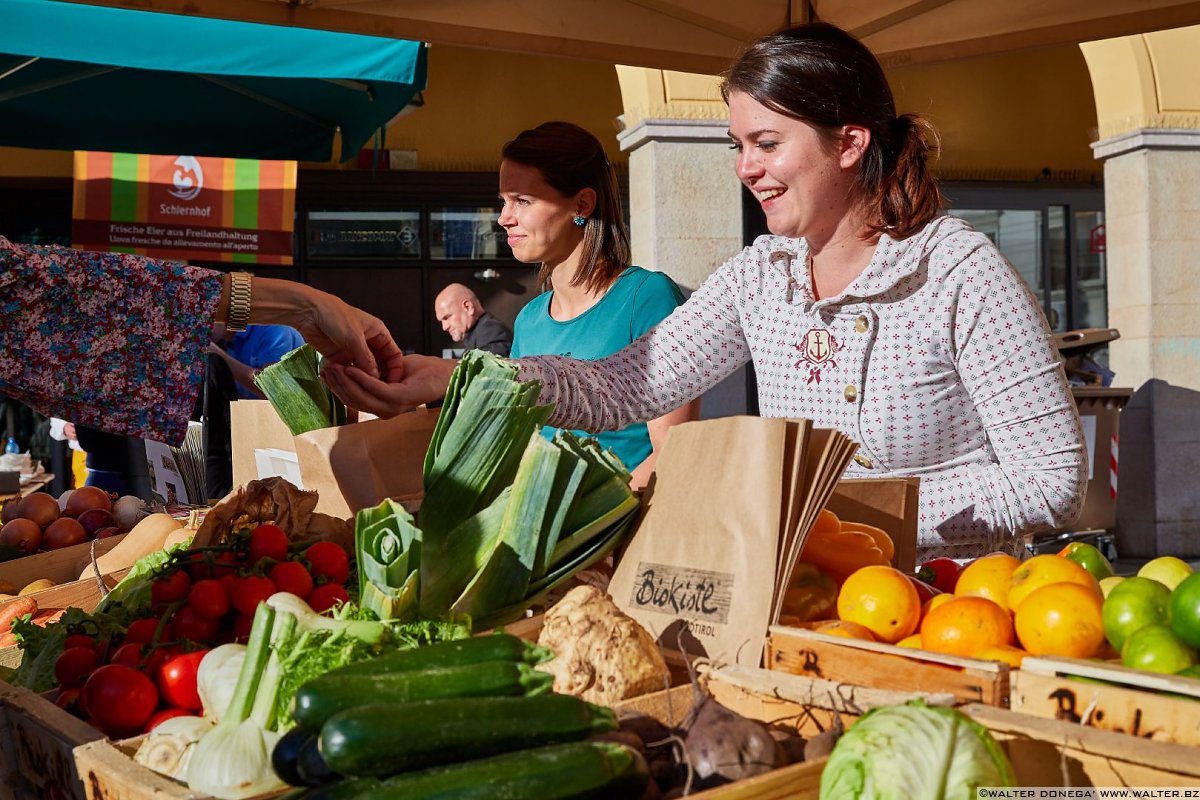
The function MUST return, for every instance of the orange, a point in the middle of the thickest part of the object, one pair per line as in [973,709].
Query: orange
[936,601]
[1013,656]
[849,630]
[988,577]
[883,599]
[1061,619]
[913,641]
[1044,570]
[965,626]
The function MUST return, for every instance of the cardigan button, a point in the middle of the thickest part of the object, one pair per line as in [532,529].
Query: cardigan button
[861,324]
[862,461]
[851,394]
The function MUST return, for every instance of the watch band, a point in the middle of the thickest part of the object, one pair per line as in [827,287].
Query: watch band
[238,317]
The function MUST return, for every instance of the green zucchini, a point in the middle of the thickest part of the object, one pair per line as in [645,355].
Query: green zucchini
[385,739]
[321,698]
[558,772]
[453,653]
[342,790]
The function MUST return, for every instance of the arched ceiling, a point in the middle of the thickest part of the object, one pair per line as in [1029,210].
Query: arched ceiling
[703,35]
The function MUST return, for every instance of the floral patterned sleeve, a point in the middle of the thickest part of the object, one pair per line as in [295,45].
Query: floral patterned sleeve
[107,340]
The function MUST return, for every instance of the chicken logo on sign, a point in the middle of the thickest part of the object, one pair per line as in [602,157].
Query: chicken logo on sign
[188,178]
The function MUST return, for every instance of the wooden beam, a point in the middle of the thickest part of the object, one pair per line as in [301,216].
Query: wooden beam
[914,9]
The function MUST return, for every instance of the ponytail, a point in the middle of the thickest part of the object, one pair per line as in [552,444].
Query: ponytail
[906,197]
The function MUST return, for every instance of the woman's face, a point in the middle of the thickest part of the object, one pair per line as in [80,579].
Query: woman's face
[539,220]
[801,181]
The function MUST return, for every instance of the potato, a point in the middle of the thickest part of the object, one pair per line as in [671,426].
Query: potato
[38,585]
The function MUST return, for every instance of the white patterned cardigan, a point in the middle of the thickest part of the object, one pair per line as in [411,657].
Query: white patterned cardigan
[936,360]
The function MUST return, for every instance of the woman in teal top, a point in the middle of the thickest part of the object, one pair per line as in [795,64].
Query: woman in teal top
[562,210]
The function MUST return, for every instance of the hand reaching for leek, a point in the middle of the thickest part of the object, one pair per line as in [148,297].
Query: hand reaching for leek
[410,381]
[339,331]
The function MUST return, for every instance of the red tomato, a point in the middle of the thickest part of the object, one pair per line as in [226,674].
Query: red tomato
[268,541]
[170,588]
[80,640]
[291,576]
[209,599]
[177,680]
[142,630]
[241,627]
[248,592]
[68,700]
[74,665]
[119,698]
[157,657]
[329,561]
[129,654]
[187,624]
[326,596]
[162,716]
[924,590]
[941,573]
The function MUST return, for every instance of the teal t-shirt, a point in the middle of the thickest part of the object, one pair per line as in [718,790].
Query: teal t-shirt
[637,301]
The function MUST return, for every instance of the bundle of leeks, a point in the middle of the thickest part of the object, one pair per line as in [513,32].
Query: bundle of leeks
[507,516]
[294,386]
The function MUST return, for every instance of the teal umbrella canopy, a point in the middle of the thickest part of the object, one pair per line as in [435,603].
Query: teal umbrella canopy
[81,77]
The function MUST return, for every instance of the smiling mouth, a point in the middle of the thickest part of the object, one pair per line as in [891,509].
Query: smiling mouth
[768,194]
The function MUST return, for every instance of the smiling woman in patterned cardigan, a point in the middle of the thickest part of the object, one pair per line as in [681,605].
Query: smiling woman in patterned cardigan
[865,310]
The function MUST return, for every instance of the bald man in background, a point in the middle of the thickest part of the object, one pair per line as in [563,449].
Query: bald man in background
[462,316]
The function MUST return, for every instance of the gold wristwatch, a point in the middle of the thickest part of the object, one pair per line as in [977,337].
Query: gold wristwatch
[239,301]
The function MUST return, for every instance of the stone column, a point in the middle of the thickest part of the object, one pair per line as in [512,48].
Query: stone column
[1148,107]
[685,201]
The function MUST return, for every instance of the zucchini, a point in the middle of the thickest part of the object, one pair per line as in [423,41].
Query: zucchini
[321,698]
[559,772]
[342,790]
[453,653]
[385,739]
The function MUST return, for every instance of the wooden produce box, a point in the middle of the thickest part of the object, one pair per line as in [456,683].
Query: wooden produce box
[884,666]
[1047,752]
[37,744]
[1148,705]
[83,594]
[61,566]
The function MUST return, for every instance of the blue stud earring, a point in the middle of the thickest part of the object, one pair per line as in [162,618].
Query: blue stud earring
[579,221]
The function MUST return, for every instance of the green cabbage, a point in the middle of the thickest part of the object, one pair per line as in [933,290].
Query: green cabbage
[914,752]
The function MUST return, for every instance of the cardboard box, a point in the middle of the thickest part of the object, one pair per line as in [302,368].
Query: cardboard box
[61,566]
[1100,414]
[351,467]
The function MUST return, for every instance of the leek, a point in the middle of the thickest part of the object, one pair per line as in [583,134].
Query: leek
[294,386]
[388,550]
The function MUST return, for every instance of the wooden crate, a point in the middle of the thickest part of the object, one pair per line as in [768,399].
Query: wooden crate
[61,566]
[37,744]
[1142,704]
[83,594]
[884,666]
[1048,752]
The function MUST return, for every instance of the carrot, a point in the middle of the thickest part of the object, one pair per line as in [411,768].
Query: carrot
[15,610]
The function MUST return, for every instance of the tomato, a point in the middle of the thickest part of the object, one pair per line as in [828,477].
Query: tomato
[162,716]
[940,573]
[74,665]
[141,630]
[157,657]
[170,588]
[68,700]
[925,592]
[187,624]
[80,640]
[119,698]
[248,592]
[129,654]
[268,541]
[329,561]
[325,597]
[177,680]
[291,576]
[209,599]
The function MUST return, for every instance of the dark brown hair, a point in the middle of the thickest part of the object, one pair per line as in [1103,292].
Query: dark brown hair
[821,75]
[570,159]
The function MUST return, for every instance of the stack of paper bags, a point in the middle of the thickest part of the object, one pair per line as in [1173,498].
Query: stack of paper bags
[726,518]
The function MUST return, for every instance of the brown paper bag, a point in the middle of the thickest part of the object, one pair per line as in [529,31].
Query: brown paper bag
[700,570]
[350,466]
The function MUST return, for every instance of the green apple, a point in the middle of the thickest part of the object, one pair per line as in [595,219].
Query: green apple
[1167,570]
